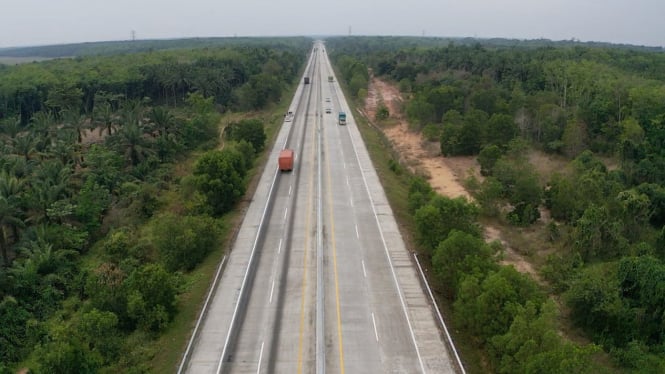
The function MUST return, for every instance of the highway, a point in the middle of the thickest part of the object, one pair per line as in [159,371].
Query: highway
[318,279]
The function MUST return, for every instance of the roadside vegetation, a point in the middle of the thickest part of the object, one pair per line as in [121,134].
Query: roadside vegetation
[113,191]
[601,245]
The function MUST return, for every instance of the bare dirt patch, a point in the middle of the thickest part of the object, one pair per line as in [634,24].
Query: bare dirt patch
[445,174]
[420,156]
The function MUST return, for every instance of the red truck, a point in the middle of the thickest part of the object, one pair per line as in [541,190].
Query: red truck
[286,160]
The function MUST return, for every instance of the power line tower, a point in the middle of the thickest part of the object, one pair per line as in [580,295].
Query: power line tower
[133,35]
[349,30]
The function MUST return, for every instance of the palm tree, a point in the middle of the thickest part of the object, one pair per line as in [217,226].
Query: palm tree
[46,259]
[104,115]
[162,119]
[25,145]
[11,126]
[12,189]
[9,218]
[10,185]
[49,185]
[65,151]
[76,122]
[43,123]
[134,146]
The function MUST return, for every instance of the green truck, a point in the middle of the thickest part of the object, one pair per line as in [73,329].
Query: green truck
[342,118]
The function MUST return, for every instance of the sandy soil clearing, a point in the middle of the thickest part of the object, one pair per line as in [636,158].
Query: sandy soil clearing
[424,158]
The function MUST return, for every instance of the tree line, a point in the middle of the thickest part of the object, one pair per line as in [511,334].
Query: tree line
[237,78]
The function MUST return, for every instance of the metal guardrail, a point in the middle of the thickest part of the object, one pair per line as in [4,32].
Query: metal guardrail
[451,345]
[204,312]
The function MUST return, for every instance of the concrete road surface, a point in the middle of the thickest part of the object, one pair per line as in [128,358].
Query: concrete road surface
[331,287]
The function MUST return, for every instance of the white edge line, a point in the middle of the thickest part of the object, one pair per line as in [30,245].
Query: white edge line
[390,262]
[272,288]
[279,248]
[376,333]
[286,210]
[258,367]
[198,321]
[357,233]
[438,313]
[362,262]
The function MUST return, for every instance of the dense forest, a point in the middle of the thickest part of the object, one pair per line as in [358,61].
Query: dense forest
[99,226]
[148,45]
[600,108]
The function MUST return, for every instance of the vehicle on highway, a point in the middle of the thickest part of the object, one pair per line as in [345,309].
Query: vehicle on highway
[288,117]
[306,80]
[327,99]
[286,160]
[328,110]
[342,118]
[330,78]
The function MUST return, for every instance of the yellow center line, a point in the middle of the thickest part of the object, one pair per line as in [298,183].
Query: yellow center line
[307,244]
[334,253]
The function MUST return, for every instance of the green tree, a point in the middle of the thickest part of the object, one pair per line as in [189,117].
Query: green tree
[91,203]
[162,120]
[10,218]
[487,306]
[104,116]
[131,142]
[642,285]
[598,234]
[183,242]
[437,219]
[13,332]
[489,197]
[151,293]
[63,97]
[420,193]
[250,130]
[459,255]
[73,121]
[104,288]
[420,111]
[574,138]
[66,355]
[219,176]
[597,307]
[104,167]
[488,157]
[532,345]
[98,330]
[501,129]
[472,134]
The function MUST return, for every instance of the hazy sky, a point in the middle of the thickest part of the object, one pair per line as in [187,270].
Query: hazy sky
[36,22]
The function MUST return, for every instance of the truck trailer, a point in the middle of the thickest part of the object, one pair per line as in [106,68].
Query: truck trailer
[286,160]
